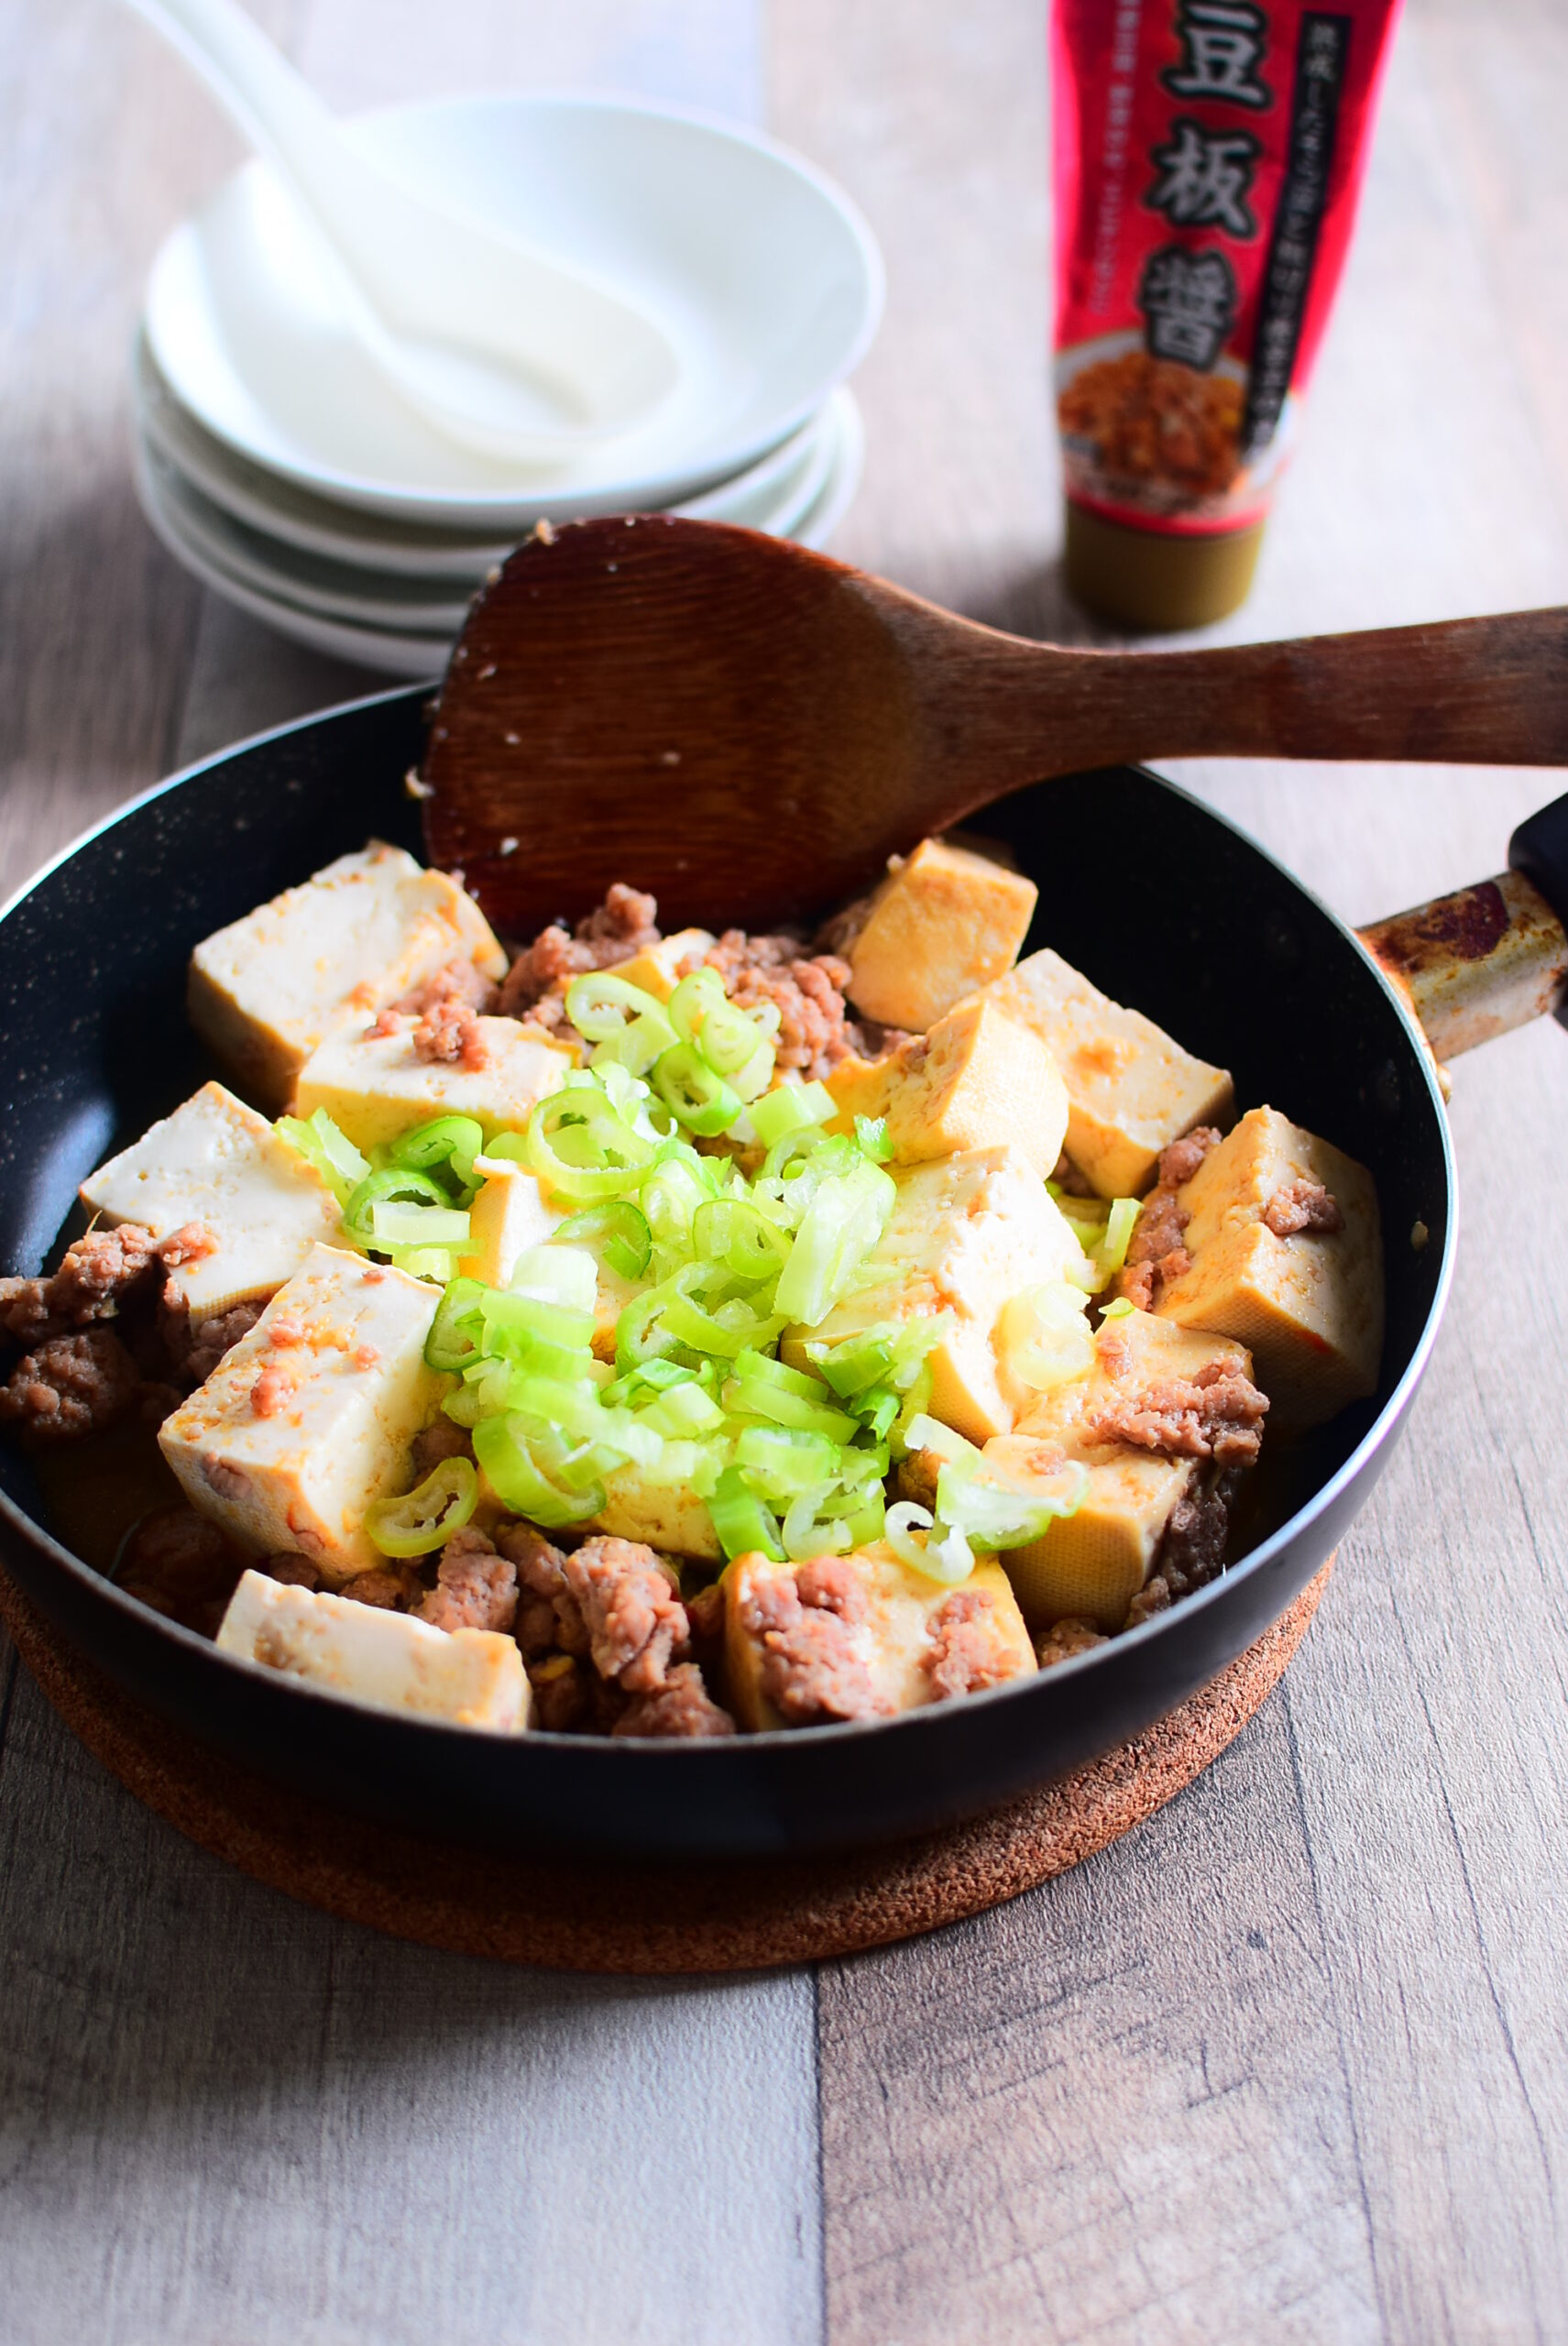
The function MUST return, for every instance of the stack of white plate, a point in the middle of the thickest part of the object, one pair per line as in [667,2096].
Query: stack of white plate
[279,466]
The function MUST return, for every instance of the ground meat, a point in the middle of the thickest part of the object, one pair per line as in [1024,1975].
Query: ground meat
[1193,1547]
[916,1477]
[681,1707]
[1155,1255]
[196,1351]
[461,981]
[180,1564]
[1217,1413]
[1066,1638]
[271,1393]
[71,1386]
[439,1441]
[815,1028]
[191,1243]
[1067,1178]
[548,1615]
[833,1583]
[562,1697]
[292,1571]
[99,1275]
[1152,1598]
[475,1588]
[810,1668]
[968,1648]
[1178,1163]
[389,1587]
[636,1623]
[625,924]
[705,1618]
[1303,1205]
[448,1035]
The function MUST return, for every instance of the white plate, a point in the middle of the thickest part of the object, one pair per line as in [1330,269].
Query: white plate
[762,271]
[402,601]
[373,543]
[408,651]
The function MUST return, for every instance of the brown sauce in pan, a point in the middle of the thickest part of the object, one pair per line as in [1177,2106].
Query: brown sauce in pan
[97,1489]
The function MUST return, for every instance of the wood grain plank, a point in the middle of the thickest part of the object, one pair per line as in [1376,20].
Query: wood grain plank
[220,2114]
[224,2115]
[1026,2126]
[1084,2117]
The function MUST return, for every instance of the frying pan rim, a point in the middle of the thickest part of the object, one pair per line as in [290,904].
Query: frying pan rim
[669,1751]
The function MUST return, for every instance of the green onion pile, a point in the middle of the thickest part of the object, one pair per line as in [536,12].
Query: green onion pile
[714,1263]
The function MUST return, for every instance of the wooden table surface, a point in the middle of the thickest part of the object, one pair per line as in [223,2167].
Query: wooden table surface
[1289,2062]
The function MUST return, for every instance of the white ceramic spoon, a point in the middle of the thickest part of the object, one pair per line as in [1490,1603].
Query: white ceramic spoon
[498,346]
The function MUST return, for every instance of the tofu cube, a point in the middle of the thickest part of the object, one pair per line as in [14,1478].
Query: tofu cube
[512,1213]
[894,1642]
[667,1515]
[1311,1305]
[217,1163]
[945,922]
[377,1087]
[310,1417]
[967,1234]
[370,927]
[1131,1089]
[976,1079]
[506,1219]
[1093,1563]
[390,1660]
[659,969]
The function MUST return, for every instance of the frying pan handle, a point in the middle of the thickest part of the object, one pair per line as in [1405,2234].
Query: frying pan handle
[1492,957]
[1540,850]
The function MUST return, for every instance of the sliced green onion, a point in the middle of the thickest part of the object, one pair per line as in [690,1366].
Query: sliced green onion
[840,1226]
[877,1409]
[424,1519]
[501,1445]
[686,1409]
[618,1234]
[511,1320]
[993,1511]
[689,1087]
[600,1005]
[1043,1337]
[789,1108]
[725,1333]
[446,1140]
[698,993]
[783,1464]
[579,1143]
[733,1231]
[396,1224]
[390,1185]
[1111,1252]
[929,1434]
[453,1343]
[942,1553]
[872,1140]
[1123,1308]
[556,1274]
[742,1523]
[334,1155]
[766,1388]
[628,1026]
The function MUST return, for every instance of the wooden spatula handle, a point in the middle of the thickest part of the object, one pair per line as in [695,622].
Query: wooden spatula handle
[1478,691]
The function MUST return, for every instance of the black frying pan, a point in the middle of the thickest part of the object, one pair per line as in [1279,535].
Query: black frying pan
[1155,897]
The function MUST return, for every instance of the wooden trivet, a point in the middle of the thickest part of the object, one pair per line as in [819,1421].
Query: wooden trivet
[734,1917]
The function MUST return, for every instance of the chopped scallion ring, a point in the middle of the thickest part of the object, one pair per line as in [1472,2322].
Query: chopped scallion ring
[424,1519]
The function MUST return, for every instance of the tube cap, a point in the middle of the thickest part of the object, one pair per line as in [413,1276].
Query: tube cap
[1155,578]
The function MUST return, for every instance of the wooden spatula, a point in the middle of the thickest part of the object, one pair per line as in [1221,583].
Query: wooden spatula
[748,730]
